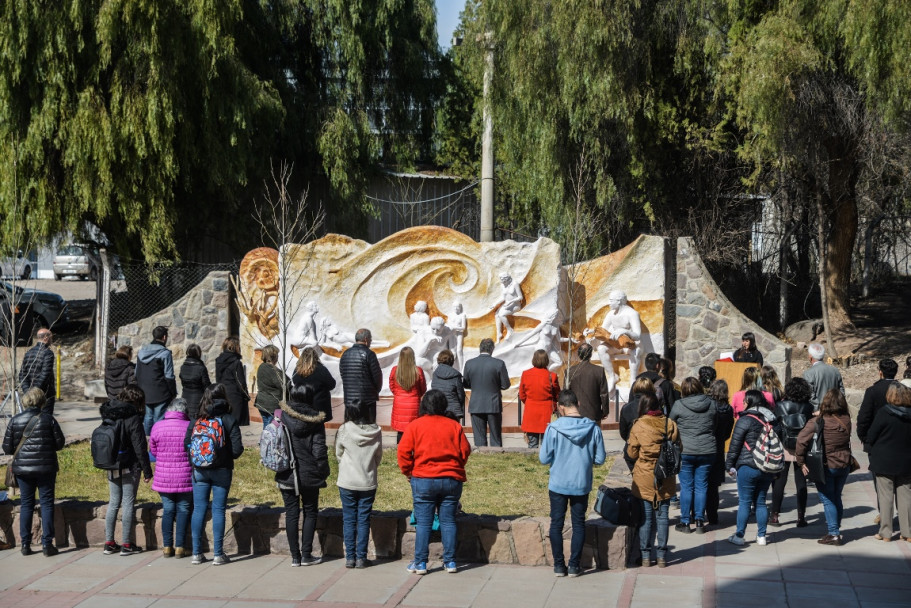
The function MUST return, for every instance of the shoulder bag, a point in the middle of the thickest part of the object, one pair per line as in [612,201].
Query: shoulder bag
[669,458]
[815,458]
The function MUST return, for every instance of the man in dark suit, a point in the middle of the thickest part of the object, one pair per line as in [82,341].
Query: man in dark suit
[486,376]
[589,383]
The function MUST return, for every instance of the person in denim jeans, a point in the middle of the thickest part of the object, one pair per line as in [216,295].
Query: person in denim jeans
[432,454]
[173,478]
[643,447]
[695,416]
[835,423]
[214,480]
[359,449]
[752,484]
[572,445]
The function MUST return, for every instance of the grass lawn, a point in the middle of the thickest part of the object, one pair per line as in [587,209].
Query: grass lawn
[506,485]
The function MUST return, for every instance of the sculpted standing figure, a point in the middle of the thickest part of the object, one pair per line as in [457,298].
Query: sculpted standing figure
[619,334]
[458,324]
[512,302]
[419,318]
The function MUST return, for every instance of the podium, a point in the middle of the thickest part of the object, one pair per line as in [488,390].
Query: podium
[732,373]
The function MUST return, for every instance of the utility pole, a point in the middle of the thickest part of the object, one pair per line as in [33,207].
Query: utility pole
[487,144]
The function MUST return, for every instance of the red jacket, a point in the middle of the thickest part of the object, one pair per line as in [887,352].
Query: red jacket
[434,446]
[538,391]
[405,403]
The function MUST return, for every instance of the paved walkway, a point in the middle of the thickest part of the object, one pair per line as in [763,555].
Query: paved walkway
[793,570]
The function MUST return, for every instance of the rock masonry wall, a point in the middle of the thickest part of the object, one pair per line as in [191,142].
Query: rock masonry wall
[202,316]
[707,323]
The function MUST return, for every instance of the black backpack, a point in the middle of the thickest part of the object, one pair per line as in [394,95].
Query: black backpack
[619,506]
[106,446]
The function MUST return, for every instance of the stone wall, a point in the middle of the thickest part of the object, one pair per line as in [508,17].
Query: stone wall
[261,530]
[202,316]
[708,324]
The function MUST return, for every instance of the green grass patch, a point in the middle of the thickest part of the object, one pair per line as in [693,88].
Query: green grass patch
[505,485]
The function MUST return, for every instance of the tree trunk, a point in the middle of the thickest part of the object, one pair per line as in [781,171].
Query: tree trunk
[823,291]
[868,252]
[842,214]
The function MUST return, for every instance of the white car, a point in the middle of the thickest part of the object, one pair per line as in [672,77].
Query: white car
[75,261]
[19,267]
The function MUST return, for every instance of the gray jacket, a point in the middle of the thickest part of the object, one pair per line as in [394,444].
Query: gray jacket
[695,418]
[823,378]
[485,376]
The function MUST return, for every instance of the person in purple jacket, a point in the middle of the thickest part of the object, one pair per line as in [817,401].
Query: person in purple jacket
[173,475]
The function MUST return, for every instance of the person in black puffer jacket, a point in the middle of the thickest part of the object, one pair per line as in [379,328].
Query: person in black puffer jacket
[119,372]
[230,372]
[214,480]
[300,486]
[194,379]
[126,411]
[37,369]
[362,377]
[752,484]
[793,412]
[35,466]
[448,380]
[313,374]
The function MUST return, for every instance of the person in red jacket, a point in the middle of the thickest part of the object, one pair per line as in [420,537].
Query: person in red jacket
[408,385]
[538,390]
[432,455]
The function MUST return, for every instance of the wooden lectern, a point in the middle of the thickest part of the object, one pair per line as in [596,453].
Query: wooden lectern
[732,373]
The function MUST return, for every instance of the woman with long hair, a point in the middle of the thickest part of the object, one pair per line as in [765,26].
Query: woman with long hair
[214,480]
[539,389]
[408,385]
[752,484]
[752,381]
[231,374]
[272,385]
[771,383]
[359,449]
[890,460]
[311,372]
[724,424]
[432,455]
[794,410]
[33,437]
[748,353]
[833,422]
[173,478]
[194,378]
[630,413]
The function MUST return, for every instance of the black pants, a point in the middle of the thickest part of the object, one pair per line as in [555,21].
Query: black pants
[778,489]
[309,502]
[479,424]
[712,494]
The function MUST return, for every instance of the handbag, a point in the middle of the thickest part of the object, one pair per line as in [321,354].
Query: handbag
[619,506]
[669,458]
[10,480]
[854,465]
[815,458]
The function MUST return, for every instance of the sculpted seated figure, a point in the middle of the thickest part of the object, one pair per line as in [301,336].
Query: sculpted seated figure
[430,342]
[619,335]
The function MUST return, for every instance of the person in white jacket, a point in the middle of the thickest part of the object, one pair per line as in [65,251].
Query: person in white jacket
[359,449]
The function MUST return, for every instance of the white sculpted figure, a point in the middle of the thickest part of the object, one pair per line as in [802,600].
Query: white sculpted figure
[458,324]
[512,302]
[419,318]
[619,334]
[549,338]
[430,342]
[302,333]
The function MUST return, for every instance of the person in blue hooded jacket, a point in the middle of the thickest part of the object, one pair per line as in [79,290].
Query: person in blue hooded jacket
[572,445]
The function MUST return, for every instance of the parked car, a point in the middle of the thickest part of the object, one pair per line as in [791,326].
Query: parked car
[19,266]
[76,260]
[25,322]
[49,309]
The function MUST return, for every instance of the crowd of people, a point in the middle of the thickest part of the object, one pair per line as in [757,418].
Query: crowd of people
[808,417]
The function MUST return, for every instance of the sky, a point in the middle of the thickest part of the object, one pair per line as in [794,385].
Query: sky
[447,20]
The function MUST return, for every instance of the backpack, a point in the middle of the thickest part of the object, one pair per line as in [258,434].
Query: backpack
[669,458]
[274,448]
[791,425]
[768,453]
[106,446]
[619,506]
[206,441]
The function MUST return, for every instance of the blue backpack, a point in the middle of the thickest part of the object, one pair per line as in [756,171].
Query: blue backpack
[206,441]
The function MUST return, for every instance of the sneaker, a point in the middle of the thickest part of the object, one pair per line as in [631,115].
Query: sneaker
[309,560]
[363,562]
[167,552]
[180,552]
[26,550]
[50,550]
[111,548]
[221,560]
[761,541]
[736,540]
[296,562]
[559,571]
[830,539]
[574,571]
[682,527]
[451,567]
[700,527]
[350,563]
[198,559]
[661,563]
[130,549]
[417,567]
[774,520]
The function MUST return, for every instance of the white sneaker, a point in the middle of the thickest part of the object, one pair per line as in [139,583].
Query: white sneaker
[736,540]
[761,541]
